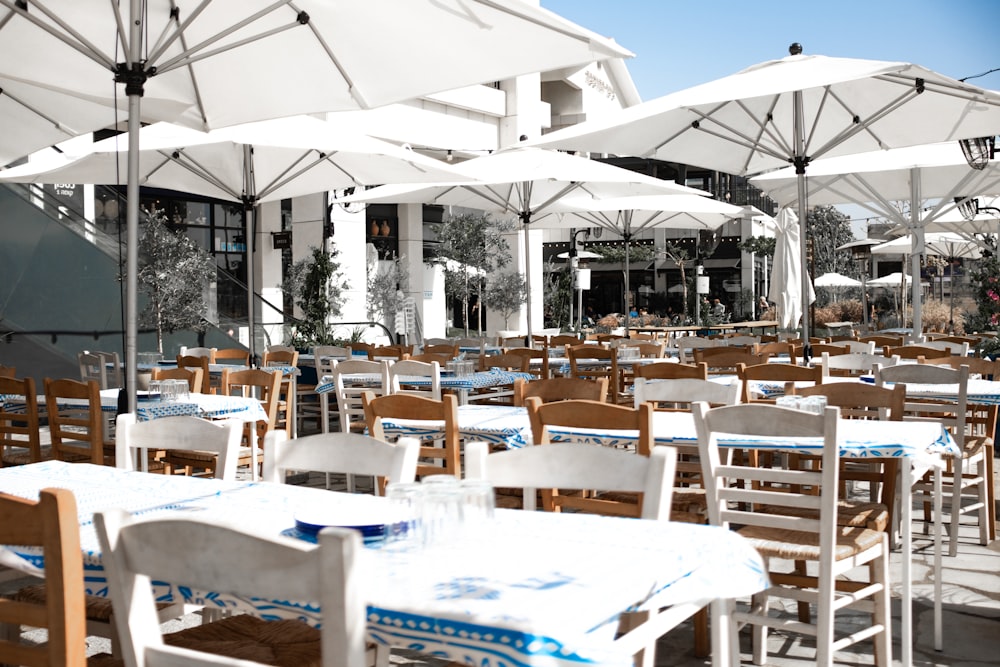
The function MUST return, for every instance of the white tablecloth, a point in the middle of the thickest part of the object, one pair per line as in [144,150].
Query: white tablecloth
[535,588]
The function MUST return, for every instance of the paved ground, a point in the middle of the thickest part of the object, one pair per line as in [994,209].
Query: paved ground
[971,616]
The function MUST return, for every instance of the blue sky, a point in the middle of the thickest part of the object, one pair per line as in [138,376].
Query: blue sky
[681,44]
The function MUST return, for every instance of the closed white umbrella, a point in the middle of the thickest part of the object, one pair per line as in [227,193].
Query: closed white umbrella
[786,274]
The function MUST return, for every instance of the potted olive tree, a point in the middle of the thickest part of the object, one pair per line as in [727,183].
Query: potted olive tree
[316,286]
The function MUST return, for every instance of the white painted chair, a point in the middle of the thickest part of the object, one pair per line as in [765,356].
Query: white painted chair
[796,526]
[220,438]
[349,406]
[572,465]
[954,347]
[199,352]
[968,472]
[685,345]
[349,453]
[854,363]
[137,551]
[855,346]
[408,367]
[682,392]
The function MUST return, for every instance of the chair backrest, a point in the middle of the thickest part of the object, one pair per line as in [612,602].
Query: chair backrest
[139,550]
[441,358]
[76,428]
[914,352]
[348,453]
[113,369]
[408,406]
[188,433]
[262,384]
[986,369]
[511,341]
[526,354]
[349,404]
[860,400]
[606,366]
[682,392]
[583,414]
[399,371]
[671,371]
[50,523]
[776,373]
[185,361]
[960,348]
[801,512]
[578,466]
[560,389]
[724,360]
[777,348]
[19,422]
[830,349]
[647,349]
[361,347]
[854,346]
[450,349]
[326,358]
[949,412]
[199,352]
[741,340]
[686,344]
[390,352]
[855,363]
[561,340]
[192,375]
[232,355]
[92,368]
[882,340]
[280,355]
[8,371]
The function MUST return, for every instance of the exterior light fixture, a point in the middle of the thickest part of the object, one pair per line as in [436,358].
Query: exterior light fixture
[978,151]
[968,207]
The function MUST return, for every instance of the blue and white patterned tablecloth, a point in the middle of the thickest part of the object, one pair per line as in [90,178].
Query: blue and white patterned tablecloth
[534,589]
[479,380]
[495,424]
[984,392]
[209,406]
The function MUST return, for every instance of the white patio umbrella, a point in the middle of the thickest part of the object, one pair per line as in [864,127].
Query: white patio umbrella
[891,280]
[628,216]
[834,279]
[788,285]
[793,111]
[529,183]
[928,177]
[249,164]
[226,62]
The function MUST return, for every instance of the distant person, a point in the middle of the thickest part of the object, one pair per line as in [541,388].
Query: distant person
[718,308]
[762,307]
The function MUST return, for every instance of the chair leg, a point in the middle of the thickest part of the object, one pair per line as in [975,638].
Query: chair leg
[882,615]
[702,638]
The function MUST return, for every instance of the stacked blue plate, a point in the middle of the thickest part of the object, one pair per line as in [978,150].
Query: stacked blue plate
[374,524]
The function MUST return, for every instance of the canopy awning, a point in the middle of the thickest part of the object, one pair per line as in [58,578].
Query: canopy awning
[720,263]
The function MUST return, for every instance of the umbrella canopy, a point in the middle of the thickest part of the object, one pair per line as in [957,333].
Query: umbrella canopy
[892,280]
[529,183]
[250,163]
[209,64]
[942,244]
[627,216]
[834,279]
[930,177]
[786,274]
[793,111]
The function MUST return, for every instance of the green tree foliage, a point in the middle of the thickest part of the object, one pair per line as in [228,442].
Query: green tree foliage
[759,245]
[558,291]
[387,287]
[173,273]
[506,293]
[680,256]
[985,282]
[476,243]
[829,228]
[317,286]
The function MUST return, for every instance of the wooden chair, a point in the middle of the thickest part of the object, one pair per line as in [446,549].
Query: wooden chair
[775,373]
[526,354]
[440,358]
[883,340]
[239,356]
[914,352]
[951,414]
[20,433]
[560,389]
[562,340]
[261,384]
[450,349]
[785,532]
[193,376]
[687,344]
[510,342]
[979,443]
[829,348]
[590,362]
[138,550]
[778,348]
[394,352]
[724,360]
[590,415]
[984,368]
[220,439]
[672,371]
[184,361]
[50,523]
[358,348]
[347,453]
[8,371]
[76,422]
[288,389]
[399,371]
[408,406]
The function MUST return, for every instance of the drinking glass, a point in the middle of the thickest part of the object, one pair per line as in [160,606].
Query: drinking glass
[407,497]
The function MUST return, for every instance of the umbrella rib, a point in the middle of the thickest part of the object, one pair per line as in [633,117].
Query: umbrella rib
[738,138]
[288,175]
[569,187]
[167,37]
[185,161]
[766,128]
[62,127]
[70,37]
[864,125]
[487,193]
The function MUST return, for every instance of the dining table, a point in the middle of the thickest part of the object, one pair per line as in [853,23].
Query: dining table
[522,588]
[923,444]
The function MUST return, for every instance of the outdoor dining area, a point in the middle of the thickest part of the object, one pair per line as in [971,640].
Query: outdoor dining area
[753,489]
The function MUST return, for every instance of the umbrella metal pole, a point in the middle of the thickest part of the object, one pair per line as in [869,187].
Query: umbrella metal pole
[525,221]
[628,308]
[249,220]
[800,170]
[917,250]
[134,89]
